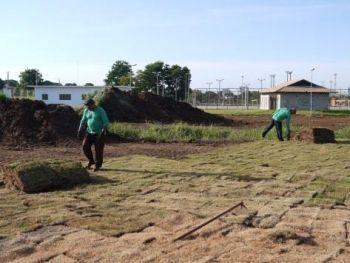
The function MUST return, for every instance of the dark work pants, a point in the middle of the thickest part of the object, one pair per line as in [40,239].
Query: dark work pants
[278,125]
[99,143]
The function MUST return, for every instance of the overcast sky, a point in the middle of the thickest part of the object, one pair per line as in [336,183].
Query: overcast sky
[79,40]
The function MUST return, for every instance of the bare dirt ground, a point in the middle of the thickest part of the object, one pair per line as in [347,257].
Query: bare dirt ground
[297,197]
[11,154]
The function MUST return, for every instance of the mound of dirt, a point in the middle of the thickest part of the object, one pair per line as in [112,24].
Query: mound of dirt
[36,177]
[315,135]
[147,107]
[27,122]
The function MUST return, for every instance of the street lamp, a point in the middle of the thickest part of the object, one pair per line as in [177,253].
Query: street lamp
[130,73]
[157,73]
[209,84]
[219,80]
[311,73]
[261,83]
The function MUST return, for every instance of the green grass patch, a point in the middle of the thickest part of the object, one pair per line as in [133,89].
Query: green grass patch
[186,133]
[343,133]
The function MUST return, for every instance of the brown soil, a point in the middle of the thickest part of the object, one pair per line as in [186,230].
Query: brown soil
[147,107]
[27,122]
[163,150]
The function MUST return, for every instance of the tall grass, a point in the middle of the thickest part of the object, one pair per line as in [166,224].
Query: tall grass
[343,133]
[185,133]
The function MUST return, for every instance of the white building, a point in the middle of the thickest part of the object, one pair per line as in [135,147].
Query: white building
[8,91]
[298,94]
[73,96]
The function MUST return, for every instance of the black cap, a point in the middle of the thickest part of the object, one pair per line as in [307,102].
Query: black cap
[89,102]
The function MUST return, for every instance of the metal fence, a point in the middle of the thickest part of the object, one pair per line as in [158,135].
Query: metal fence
[248,98]
[239,98]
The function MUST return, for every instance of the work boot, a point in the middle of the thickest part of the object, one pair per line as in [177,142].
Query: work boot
[89,165]
[96,169]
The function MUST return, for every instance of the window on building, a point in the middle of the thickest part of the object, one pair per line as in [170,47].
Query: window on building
[44,96]
[83,97]
[65,96]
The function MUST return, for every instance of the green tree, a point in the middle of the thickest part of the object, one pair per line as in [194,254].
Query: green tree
[2,83]
[13,83]
[30,77]
[120,69]
[50,83]
[70,84]
[171,79]
[89,84]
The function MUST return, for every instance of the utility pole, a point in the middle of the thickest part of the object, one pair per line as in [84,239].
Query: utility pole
[335,80]
[272,76]
[219,80]
[246,95]
[261,83]
[130,74]
[289,75]
[157,75]
[163,85]
[209,84]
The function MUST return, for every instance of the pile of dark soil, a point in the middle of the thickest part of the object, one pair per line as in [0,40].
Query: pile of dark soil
[315,135]
[35,177]
[27,122]
[147,107]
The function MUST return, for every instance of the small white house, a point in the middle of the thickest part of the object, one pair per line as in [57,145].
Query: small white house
[8,91]
[300,94]
[73,96]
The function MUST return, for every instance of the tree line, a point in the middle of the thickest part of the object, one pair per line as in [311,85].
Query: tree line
[157,77]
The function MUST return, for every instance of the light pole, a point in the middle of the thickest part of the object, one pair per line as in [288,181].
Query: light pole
[209,84]
[246,95]
[130,73]
[272,76]
[163,85]
[157,75]
[261,83]
[219,80]
[187,92]
[177,86]
[311,73]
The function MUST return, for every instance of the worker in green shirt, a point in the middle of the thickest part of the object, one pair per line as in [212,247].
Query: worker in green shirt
[277,117]
[93,126]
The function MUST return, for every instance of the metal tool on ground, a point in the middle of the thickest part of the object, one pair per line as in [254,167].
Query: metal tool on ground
[241,204]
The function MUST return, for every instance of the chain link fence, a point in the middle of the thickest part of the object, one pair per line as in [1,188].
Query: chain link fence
[249,98]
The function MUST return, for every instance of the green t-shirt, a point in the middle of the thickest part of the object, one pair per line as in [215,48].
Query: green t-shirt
[95,120]
[282,114]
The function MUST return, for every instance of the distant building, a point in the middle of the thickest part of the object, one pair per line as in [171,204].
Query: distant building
[8,91]
[297,94]
[70,95]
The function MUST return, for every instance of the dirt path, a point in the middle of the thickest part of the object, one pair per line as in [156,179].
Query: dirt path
[162,150]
